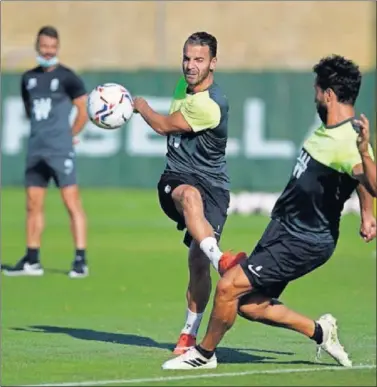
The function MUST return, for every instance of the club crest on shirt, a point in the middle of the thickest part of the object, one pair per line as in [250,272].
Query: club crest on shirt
[54,84]
[31,83]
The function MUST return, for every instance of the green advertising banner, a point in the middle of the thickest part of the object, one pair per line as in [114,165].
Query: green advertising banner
[271,114]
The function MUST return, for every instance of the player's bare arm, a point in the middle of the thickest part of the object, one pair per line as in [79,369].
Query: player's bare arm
[368,165]
[82,115]
[367,181]
[370,176]
[161,124]
[368,221]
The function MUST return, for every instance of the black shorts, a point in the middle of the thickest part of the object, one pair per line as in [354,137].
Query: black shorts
[40,170]
[215,201]
[280,257]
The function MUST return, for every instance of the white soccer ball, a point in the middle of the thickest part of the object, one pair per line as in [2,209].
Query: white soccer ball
[110,106]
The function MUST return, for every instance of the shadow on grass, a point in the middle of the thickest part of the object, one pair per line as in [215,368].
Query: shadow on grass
[224,354]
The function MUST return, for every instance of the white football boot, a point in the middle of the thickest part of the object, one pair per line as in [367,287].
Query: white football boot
[331,343]
[190,360]
[24,268]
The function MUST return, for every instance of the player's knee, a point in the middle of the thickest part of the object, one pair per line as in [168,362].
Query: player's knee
[72,201]
[74,208]
[225,289]
[190,197]
[34,206]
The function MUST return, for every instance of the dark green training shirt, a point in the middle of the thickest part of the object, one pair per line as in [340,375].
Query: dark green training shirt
[322,180]
[202,151]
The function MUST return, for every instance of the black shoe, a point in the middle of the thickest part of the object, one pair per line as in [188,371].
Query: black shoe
[25,267]
[79,270]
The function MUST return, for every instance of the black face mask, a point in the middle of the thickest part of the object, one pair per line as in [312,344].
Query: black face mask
[322,112]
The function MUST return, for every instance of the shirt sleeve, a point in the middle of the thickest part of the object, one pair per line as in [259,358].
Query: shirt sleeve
[201,112]
[74,86]
[25,97]
[349,155]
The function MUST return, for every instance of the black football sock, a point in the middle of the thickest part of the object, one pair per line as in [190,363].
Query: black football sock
[80,255]
[204,352]
[318,333]
[32,255]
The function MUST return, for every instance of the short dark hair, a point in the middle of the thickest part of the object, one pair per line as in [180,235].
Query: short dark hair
[204,39]
[341,75]
[49,31]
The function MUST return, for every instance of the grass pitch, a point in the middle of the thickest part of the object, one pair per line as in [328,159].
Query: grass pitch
[119,325]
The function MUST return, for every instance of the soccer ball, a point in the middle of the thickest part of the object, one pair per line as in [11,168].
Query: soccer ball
[110,106]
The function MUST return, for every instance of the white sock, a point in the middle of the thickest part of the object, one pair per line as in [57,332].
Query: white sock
[192,324]
[211,250]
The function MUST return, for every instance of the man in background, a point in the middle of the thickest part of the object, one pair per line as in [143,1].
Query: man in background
[48,92]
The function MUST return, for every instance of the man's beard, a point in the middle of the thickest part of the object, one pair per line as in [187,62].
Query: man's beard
[322,112]
[200,79]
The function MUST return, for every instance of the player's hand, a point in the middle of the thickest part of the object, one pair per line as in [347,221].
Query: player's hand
[363,137]
[368,228]
[76,140]
[139,103]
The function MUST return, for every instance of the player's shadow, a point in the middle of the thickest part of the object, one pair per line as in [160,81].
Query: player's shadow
[224,354]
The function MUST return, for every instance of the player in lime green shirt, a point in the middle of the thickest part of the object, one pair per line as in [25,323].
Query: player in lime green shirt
[194,187]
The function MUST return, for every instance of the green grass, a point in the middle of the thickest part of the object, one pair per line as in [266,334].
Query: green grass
[122,321]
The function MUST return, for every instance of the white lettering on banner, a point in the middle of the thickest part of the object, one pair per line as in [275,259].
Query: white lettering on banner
[233,148]
[141,140]
[256,145]
[15,126]
[96,142]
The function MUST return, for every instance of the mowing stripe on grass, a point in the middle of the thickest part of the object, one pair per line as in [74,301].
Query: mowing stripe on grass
[204,376]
